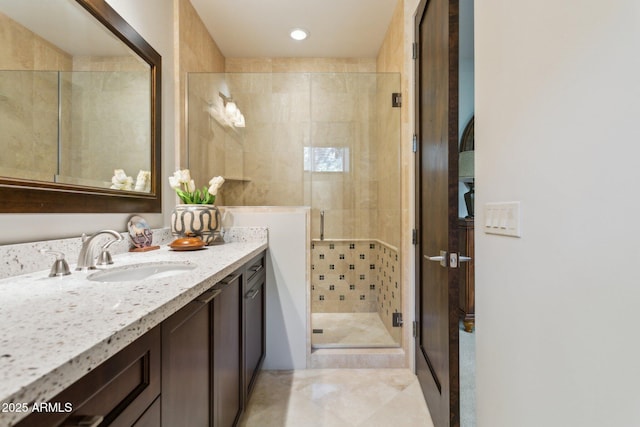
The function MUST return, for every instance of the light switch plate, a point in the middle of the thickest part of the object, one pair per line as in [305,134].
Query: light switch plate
[502,218]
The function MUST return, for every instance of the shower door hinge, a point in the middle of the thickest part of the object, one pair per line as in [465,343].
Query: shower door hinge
[415,329]
[396,99]
[396,320]
[415,143]
[415,50]
[414,236]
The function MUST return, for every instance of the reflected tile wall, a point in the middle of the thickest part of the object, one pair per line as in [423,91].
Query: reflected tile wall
[114,91]
[29,110]
[28,102]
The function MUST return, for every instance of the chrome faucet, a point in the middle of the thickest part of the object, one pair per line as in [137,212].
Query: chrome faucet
[87,257]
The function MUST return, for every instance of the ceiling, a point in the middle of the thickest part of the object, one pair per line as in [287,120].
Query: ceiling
[259,28]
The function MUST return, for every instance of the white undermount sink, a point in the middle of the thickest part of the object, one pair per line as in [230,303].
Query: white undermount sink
[149,270]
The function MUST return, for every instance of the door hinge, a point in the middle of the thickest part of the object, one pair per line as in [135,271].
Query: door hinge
[396,100]
[415,329]
[396,320]
[415,143]
[414,236]
[415,50]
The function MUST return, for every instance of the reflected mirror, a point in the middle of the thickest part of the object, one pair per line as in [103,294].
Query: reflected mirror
[79,110]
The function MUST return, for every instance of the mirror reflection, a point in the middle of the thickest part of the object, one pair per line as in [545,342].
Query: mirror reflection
[75,101]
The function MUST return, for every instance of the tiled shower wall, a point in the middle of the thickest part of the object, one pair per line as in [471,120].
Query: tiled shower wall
[356,276]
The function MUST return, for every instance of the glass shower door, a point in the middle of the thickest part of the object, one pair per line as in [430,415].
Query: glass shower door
[353,166]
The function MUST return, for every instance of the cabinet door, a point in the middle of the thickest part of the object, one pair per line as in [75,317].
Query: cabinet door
[151,417]
[226,353]
[254,327]
[186,366]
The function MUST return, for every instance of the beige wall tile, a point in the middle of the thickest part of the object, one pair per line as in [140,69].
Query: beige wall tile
[197,52]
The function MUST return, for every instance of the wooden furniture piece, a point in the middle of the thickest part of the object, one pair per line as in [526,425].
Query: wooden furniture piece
[467,273]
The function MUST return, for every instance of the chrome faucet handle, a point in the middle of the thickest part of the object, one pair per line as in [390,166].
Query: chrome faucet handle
[86,259]
[60,266]
[105,256]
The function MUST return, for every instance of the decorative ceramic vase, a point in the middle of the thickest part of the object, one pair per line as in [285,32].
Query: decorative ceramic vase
[202,221]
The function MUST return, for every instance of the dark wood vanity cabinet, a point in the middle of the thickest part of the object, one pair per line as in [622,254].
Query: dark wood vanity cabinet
[467,273]
[253,309]
[201,365]
[196,369]
[212,351]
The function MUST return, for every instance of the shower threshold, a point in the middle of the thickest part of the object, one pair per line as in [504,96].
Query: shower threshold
[349,330]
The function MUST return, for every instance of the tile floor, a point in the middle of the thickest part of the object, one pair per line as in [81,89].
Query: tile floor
[337,398]
[350,330]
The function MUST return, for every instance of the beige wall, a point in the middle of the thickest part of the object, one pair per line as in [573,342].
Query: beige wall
[196,52]
[396,55]
[344,109]
[300,65]
[391,59]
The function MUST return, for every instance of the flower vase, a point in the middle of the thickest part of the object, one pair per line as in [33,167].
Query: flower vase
[202,221]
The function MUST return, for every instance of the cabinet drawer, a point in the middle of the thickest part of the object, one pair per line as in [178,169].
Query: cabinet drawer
[118,392]
[255,268]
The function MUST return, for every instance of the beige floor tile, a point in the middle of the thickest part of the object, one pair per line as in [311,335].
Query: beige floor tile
[336,397]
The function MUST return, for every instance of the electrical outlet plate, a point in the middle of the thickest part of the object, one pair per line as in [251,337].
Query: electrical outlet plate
[502,218]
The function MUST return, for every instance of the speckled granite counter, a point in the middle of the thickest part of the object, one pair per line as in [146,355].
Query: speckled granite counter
[54,330]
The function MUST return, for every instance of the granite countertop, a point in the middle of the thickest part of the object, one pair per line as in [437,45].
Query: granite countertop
[54,330]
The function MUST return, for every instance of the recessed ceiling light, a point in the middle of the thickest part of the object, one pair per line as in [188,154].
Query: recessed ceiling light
[299,34]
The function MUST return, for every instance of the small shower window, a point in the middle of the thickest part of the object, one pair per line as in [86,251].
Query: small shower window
[326,159]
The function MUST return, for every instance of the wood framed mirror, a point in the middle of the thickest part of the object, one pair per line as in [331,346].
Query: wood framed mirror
[110,144]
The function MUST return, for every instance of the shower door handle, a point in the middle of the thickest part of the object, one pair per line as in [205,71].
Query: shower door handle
[321,225]
[442,258]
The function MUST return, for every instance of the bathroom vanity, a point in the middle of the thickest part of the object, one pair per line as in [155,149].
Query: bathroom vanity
[179,346]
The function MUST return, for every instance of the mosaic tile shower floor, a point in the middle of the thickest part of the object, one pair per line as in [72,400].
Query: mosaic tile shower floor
[350,330]
[337,398]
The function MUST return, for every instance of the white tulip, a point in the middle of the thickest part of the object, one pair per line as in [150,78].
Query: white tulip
[185,176]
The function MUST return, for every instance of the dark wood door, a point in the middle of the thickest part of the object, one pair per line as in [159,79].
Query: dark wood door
[437,208]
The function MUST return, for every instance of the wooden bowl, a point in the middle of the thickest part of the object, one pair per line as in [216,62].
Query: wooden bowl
[186,244]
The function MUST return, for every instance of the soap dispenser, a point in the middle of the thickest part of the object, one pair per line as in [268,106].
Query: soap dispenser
[60,266]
